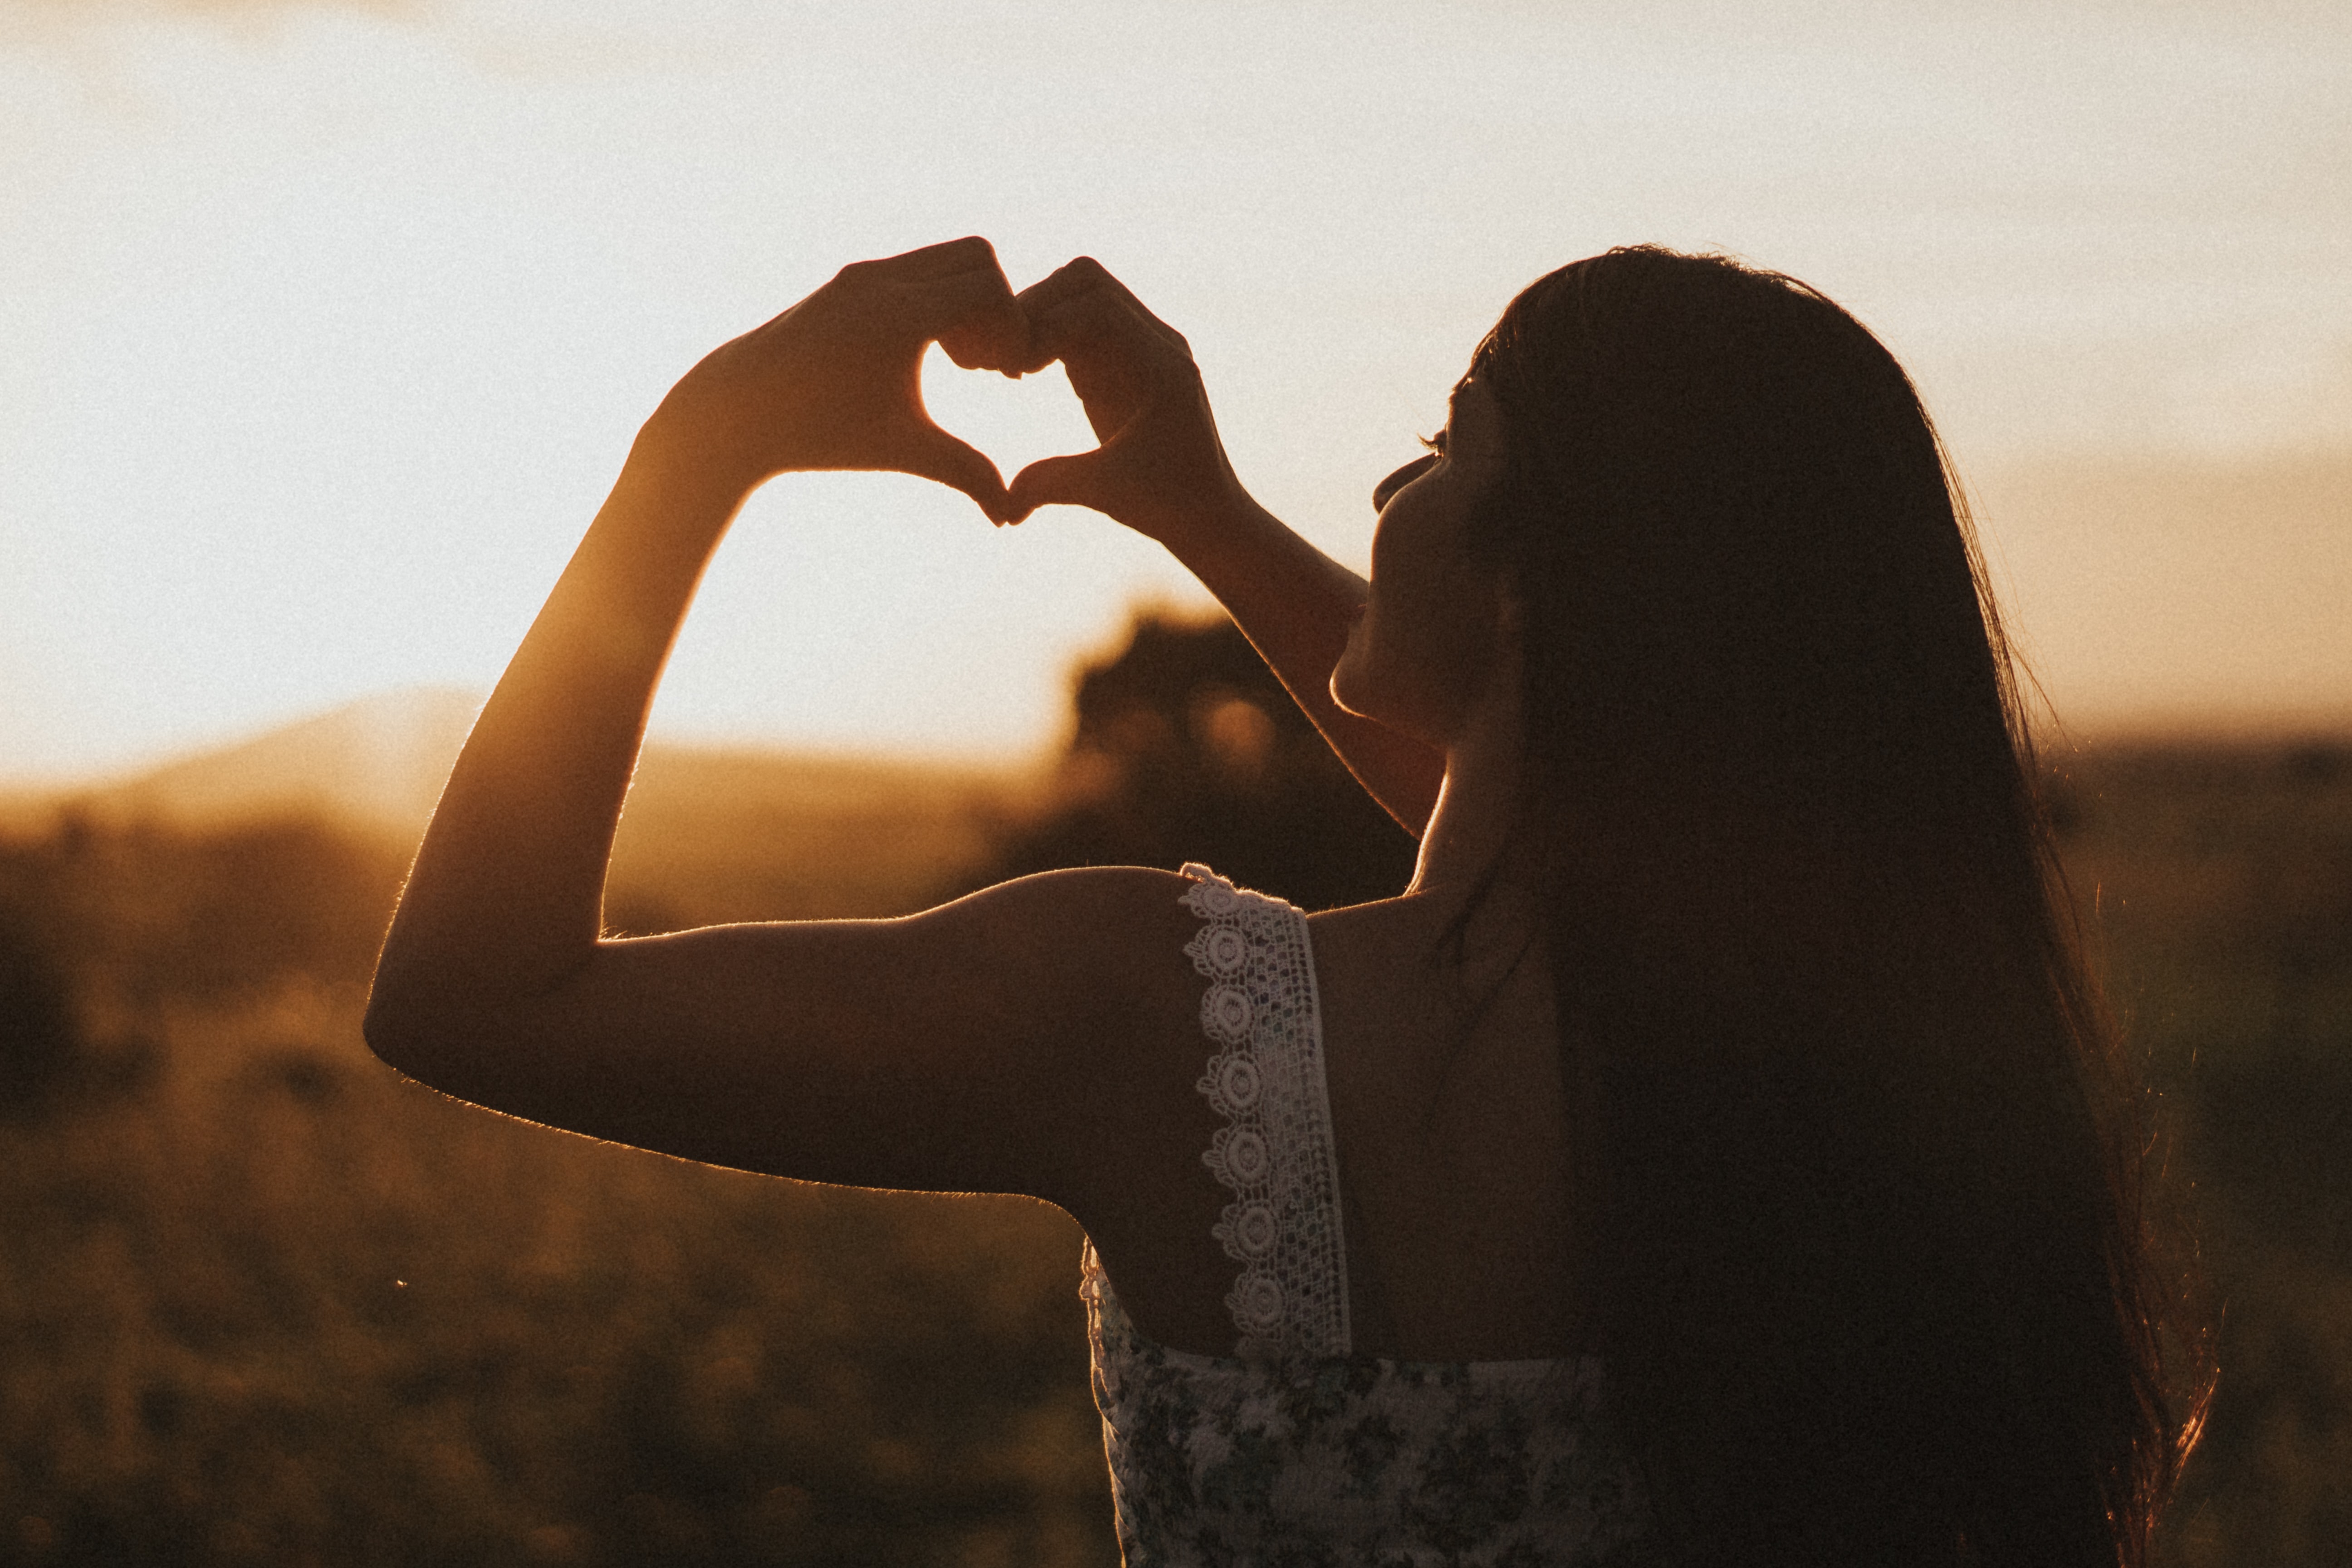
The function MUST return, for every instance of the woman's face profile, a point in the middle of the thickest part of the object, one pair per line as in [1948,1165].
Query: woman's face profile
[1418,657]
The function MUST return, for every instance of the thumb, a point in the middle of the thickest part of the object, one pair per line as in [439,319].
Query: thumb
[1072,480]
[941,456]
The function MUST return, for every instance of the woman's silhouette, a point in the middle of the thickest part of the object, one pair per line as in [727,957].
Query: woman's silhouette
[1715,1155]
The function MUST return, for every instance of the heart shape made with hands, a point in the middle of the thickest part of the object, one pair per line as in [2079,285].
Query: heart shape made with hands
[1012,423]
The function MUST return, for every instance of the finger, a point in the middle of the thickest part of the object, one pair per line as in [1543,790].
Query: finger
[936,455]
[1093,323]
[1143,314]
[1084,276]
[973,316]
[1083,318]
[1047,297]
[1072,480]
[1081,275]
[1086,286]
[965,255]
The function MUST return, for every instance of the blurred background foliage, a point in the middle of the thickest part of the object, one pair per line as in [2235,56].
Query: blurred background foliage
[1186,748]
[262,1302]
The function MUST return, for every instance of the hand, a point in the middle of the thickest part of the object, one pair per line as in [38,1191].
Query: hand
[836,381]
[1159,460]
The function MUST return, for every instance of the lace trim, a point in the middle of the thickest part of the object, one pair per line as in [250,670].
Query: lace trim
[1275,1153]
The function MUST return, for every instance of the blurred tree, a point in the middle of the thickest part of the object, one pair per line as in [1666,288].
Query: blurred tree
[39,1038]
[1187,748]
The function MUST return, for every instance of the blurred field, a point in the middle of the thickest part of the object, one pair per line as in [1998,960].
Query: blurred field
[2218,888]
[260,1302]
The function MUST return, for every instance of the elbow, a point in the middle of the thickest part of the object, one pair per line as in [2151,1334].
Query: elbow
[433,1022]
[401,1028]
[450,1022]
[389,1032]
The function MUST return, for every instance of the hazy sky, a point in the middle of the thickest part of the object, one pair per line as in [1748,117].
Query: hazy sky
[324,329]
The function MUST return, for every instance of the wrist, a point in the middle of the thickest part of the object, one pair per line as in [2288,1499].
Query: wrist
[676,461]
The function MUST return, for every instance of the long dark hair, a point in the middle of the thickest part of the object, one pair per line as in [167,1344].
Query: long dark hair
[1863,1174]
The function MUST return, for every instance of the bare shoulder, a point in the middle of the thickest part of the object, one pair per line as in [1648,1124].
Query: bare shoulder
[1041,967]
[1093,1001]
[1079,972]
[1372,936]
[1097,926]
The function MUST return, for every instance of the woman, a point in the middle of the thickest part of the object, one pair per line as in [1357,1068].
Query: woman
[1715,1155]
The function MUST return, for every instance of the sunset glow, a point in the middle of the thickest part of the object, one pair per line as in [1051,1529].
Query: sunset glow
[324,329]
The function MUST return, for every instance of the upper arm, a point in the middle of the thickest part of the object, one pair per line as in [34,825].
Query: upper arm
[968,1047]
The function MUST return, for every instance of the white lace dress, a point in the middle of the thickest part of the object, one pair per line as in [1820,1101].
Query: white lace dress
[1293,1451]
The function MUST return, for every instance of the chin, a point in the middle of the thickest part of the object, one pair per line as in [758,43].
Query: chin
[1394,699]
[1368,700]
[1347,675]
[1359,693]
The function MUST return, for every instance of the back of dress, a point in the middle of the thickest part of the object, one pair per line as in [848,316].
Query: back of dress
[1293,1450]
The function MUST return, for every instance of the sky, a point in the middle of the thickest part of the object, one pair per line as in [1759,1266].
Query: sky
[324,328]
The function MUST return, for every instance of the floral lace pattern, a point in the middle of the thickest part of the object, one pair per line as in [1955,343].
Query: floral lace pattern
[1274,1153]
[1338,1460]
[1292,1453]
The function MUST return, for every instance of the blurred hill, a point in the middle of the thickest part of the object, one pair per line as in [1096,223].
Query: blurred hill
[710,832]
[715,836]
[379,763]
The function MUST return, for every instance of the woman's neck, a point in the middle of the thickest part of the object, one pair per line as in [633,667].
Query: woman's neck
[1469,842]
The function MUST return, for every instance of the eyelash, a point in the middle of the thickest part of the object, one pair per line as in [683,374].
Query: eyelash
[1434,443]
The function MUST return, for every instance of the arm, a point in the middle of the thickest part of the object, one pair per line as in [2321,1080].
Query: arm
[1162,471]
[1296,606]
[851,1051]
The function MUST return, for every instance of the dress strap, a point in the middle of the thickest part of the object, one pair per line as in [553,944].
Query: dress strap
[1275,1153]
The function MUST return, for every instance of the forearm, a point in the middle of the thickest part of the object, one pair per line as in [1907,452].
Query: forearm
[1162,471]
[505,901]
[1297,606]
